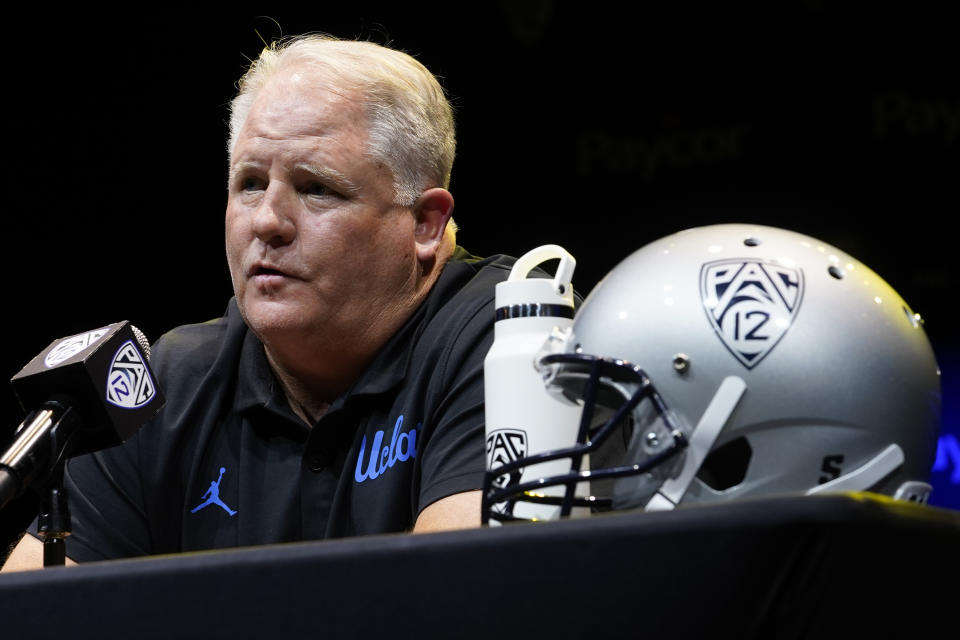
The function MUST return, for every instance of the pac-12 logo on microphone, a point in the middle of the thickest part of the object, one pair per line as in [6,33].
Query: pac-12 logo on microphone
[751,304]
[69,347]
[129,385]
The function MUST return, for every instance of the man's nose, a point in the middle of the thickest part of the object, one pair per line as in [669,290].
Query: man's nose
[275,219]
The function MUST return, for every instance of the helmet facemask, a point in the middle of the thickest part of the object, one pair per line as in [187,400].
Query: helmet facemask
[632,437]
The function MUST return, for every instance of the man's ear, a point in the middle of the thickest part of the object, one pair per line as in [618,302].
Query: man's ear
[431,212]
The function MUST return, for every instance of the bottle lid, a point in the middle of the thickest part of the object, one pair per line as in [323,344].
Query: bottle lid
[521,290]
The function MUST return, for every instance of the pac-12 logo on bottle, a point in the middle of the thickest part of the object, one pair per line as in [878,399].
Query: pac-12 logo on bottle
[128,384]
[751,304]
[503,446]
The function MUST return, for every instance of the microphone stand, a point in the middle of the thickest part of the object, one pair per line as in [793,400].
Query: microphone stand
[53,523]
[38,456]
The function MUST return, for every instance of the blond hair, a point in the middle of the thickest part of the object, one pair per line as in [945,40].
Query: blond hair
[411,127]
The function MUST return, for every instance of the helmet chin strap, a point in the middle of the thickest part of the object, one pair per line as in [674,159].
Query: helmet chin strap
[866,475]
[711,423]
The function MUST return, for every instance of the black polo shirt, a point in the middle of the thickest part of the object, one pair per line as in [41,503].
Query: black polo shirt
[227,463]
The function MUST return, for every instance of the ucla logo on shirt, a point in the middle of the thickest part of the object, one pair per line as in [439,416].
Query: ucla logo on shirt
[381,456]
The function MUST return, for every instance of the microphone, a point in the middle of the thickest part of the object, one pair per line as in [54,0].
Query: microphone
[83,393]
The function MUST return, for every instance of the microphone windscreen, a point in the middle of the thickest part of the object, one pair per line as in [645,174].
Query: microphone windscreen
[142,341]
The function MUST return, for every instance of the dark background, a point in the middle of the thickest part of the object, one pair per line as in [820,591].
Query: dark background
[588,125]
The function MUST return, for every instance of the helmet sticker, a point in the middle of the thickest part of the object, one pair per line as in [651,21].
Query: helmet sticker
[751,304]
[831,468]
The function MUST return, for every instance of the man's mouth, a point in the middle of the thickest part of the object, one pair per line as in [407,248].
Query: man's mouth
[268,274]
[267,271]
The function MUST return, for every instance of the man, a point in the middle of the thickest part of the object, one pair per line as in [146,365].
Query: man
[341,393]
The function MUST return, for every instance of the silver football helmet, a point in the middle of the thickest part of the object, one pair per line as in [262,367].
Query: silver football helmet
[736,360]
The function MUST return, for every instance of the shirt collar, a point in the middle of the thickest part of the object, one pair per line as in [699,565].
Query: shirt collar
[256,384]
[389,367]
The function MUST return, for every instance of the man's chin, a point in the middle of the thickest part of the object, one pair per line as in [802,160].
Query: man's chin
[273,319]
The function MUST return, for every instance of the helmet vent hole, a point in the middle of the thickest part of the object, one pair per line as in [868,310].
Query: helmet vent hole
[752,241]
[835,271]
[726,466]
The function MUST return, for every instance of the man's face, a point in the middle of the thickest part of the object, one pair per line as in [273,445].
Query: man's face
[317,249]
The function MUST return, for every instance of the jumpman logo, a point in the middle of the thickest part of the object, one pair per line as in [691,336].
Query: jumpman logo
[213,496]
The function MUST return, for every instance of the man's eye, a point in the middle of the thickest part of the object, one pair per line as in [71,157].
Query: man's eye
[317,189]
[251,184]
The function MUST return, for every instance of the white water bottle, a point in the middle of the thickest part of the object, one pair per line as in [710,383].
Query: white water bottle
[522,418]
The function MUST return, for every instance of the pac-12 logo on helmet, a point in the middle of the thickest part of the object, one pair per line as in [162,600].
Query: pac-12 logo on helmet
[503,446]
[751,304]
